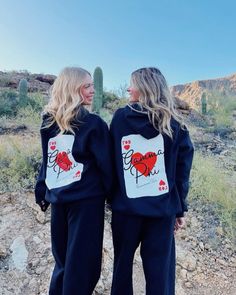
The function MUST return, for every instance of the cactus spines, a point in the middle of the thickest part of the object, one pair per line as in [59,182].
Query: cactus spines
[204,104]
[98,86]
[23,90]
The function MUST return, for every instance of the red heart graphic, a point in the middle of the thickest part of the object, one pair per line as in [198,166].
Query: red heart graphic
[52,147]
[63,161]
[126,147]
[162,182]
[144,163]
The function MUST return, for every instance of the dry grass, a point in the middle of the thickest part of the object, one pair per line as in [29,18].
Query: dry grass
[211,183]
[19,162]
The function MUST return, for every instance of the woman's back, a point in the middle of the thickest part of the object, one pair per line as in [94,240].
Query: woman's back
[73,171]
[147,164]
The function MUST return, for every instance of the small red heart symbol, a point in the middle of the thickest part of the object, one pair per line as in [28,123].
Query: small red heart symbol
[162,182]
[126,147]
[52,147]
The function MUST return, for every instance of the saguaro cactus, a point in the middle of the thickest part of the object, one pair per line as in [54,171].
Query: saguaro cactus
[23,90]
[204,104]
[98,85]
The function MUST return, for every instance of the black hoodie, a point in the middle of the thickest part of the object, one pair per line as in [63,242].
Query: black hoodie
[75,166]
[152,170]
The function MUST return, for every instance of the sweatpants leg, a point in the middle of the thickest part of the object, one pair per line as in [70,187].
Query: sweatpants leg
[126,237]
[59,247]
[84,247]
[158,255]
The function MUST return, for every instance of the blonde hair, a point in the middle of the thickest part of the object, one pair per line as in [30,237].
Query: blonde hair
[65,100]
[155,98]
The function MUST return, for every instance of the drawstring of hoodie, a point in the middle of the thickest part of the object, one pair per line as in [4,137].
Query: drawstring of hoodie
[138,111]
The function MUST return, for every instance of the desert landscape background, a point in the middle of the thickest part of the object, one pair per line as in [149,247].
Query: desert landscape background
[206,257]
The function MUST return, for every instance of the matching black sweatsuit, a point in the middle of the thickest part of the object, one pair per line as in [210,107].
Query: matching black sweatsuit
[76,178]
[152,182]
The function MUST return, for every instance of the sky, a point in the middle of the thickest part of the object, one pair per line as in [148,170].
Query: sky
[187,40]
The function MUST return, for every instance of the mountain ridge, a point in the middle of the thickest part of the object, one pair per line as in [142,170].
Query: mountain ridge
[191,92]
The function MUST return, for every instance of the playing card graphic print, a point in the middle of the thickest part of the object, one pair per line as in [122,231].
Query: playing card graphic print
[144,166]
[62,169]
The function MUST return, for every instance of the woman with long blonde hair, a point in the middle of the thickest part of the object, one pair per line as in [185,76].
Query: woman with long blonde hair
[75,178]
[153,154]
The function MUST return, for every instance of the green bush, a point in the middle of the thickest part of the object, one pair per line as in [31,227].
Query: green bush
[28,117]
[112,106]
[106,115]
[210,184]
[19,163]
[109,97]
[37,102]
[5,80]
[220,109]
[8,103]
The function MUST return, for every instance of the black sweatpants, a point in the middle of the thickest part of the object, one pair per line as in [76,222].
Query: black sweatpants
[77,236]
[157,250]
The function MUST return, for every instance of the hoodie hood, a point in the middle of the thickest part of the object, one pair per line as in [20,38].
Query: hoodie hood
[137,119]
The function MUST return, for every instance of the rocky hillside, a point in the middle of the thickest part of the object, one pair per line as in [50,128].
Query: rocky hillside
[42,83]
[36,82]
[191,92]
[186,95]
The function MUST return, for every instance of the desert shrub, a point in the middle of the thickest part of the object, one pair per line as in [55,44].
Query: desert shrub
[112,106]
[210,183]
[19,163]
[37,102]
[106,115]
[28,117]
[108,97]
[220,109]
[8,103]
[33,101]
[5,80]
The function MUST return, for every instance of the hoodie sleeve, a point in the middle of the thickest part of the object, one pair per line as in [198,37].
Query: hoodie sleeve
[100,146]
[40,187]
[183,167]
